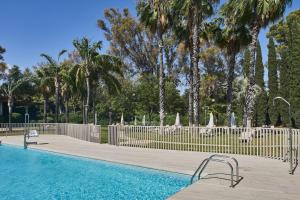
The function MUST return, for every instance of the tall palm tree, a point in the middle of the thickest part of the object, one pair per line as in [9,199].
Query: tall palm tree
[9,87]
[88,53]
[232,37]
[256,14]
[55,67]
[68,85]
[182,26]
[154,14]
[192,13]
[108,72]
[45,85]
[96,69]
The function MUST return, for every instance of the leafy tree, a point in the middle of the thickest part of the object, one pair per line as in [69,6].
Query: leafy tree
[2,64]
[261,100]
[273,80]
[129,39]
[281,32]
[148,98]
[294,63]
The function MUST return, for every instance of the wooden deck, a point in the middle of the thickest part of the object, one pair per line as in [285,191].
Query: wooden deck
[263,178]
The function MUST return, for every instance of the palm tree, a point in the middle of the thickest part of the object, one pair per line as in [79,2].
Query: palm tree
[107,72]
[153,14]
[55,67]
[192,13]
[9,87]
[256,14]
[232,37]
[182,26]
[96,69]
[88,53]
[68,85]
[45,85]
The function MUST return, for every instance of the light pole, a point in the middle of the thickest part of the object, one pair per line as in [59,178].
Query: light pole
[290,131]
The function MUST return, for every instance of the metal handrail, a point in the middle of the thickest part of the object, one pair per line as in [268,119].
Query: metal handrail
[232,158]
[224,159]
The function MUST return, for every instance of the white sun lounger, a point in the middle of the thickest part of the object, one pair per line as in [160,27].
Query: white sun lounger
[33,133]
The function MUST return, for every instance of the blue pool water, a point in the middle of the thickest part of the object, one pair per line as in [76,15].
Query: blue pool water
[31,174]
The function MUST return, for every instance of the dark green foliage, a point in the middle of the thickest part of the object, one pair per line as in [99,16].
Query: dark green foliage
[17,118]
[259,68]
[246,63]
[294,63]
[273,80]
[2,64]
[284,89]
[283,36]
[261,100]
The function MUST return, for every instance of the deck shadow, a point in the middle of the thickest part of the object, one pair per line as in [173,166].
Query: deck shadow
[215,176]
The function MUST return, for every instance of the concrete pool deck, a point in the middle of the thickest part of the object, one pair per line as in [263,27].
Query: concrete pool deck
[263,178]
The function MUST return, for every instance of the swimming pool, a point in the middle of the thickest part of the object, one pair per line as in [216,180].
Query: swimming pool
[32,174]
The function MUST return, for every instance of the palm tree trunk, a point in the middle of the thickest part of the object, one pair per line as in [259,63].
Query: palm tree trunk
[45,109]
[195,60]
[9,104]
[56,99]
[161,85]
[67,110]
[230,78]
[94,110]
[88,91]
[161,73]
[250,92]
[191,96]
[83,112]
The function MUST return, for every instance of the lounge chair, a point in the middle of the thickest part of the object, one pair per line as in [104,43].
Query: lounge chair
[32,133]
[247,136]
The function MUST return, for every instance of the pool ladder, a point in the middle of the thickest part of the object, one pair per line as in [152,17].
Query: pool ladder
[221,159]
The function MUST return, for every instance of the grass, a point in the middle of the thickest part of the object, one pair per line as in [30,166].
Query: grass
[104,133]
[267,145]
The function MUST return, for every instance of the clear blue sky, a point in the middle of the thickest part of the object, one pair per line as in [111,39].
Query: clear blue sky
[31,27]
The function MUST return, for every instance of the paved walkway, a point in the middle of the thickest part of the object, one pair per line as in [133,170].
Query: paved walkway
[263,179]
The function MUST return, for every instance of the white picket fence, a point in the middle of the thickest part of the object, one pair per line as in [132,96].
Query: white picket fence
[263,142]
[86,132]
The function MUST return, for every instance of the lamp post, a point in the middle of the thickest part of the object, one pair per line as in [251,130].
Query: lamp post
[290,131]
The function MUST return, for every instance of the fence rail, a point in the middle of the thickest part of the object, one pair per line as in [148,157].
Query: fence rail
[263,142]
[86,132]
